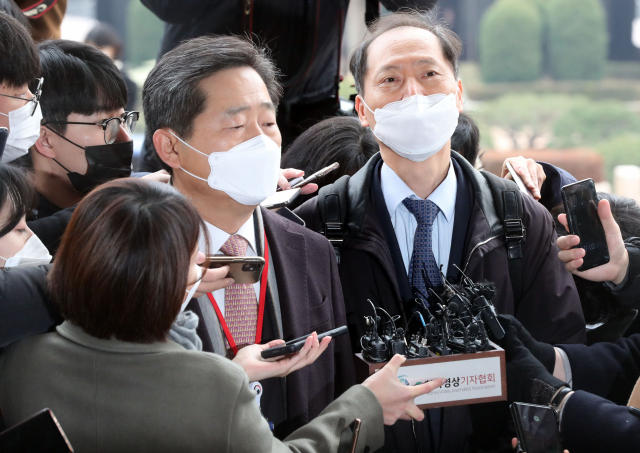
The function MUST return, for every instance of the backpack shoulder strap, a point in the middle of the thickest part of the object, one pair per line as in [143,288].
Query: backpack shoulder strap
[332,203]
[508,203]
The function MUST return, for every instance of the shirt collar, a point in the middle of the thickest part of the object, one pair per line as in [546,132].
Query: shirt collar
[395,190]
[218,237]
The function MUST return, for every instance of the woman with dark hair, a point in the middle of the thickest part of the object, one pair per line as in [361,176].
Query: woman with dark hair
[340,139]
[126,264]
[19,247]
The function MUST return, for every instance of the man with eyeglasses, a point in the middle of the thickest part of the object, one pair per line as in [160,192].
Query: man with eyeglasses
[19,108]
[85,136]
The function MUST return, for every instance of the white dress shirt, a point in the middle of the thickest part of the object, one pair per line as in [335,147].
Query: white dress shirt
[405,224]
[217,238]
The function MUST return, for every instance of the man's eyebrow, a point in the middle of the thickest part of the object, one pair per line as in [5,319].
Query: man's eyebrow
[388,67]
[268,104]
[424,61]
[232,111]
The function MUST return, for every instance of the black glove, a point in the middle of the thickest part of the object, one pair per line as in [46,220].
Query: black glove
[527,379]
[544,352]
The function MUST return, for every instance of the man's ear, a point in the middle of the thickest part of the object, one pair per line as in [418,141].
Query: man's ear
[459,96]
[43,145]
[165,144]
[360,110]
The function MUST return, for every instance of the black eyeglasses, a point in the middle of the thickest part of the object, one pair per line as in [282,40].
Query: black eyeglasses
[111,126]
[36,95]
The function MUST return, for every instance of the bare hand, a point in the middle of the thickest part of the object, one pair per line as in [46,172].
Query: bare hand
[290,173]
[616,269]
[159,176]
[258,368]
[213,280]
[395,398]
[529,170]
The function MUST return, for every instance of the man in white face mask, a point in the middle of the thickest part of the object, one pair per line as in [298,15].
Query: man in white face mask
[418,207]
[19,106]
[210,108]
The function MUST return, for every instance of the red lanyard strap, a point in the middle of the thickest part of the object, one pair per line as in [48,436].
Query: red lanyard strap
[263,296]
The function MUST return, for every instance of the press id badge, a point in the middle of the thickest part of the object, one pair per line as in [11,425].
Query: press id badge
[257,388]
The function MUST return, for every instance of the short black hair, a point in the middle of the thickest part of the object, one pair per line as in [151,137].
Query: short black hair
[78,79]
[104,35]
[16,195]
[450,42]
[339,139]
[19,60]
[466,138]
[171,96]
[597,302]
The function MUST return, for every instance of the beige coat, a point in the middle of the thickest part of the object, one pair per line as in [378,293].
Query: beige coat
[111,396]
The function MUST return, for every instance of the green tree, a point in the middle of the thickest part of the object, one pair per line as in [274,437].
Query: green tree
[145,33]
[621,150]
[511,42]
[587,123]
[577,40]
[524,117]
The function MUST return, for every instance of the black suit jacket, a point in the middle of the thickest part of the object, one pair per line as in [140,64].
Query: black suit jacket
[310,299]
[596,418]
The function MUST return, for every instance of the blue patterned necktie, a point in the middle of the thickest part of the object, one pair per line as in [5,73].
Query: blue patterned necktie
[422,258]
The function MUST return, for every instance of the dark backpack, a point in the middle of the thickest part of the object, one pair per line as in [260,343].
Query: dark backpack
[508,203]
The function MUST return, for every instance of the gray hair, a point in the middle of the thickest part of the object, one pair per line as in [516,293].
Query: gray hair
[450,42]
[171,96]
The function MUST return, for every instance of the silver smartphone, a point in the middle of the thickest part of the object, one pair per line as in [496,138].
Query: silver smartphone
[281,199]
[517,179]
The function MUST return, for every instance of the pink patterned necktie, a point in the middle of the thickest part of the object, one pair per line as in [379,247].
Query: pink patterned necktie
[240,303]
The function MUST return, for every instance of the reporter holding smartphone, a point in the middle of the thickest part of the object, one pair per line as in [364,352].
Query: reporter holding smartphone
[595,389]
[116,382]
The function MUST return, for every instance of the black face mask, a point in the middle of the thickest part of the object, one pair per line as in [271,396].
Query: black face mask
[105,163]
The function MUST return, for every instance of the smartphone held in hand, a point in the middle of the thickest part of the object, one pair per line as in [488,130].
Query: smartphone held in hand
[581,206]
[242,269]
[537,428]
[295,345]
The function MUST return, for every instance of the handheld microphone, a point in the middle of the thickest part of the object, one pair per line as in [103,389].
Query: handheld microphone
[488,314]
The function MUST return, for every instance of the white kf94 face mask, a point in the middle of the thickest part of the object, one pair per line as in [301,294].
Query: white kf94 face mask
[32,254]
[418,127]
[248,172]
[24,130]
